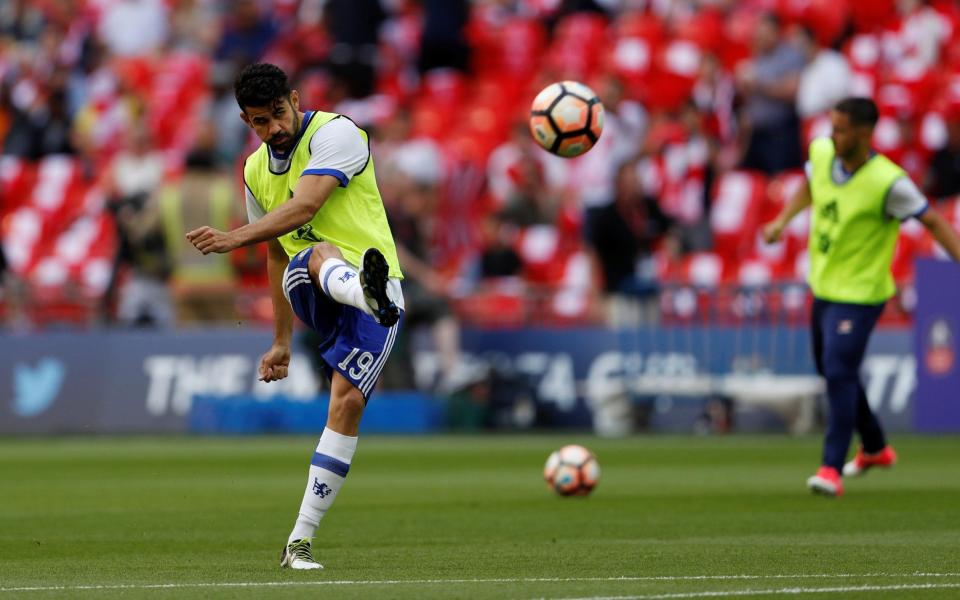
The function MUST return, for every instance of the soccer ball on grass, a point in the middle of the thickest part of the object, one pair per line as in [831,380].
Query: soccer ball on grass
[566,118]
[572,471]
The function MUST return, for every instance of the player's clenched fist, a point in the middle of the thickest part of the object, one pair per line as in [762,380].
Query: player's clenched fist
[274,363]
[772,231]
[208,239]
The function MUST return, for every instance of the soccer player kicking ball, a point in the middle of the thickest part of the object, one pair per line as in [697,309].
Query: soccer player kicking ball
[312,195]
[858,200]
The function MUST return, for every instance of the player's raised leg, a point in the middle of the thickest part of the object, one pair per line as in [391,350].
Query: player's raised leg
[328,469]
[367,289]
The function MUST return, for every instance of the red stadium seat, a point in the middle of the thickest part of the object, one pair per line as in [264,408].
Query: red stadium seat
[540,250]
[521,43]
[872,16]
[827,18]
[738,199]
[17,178]
[864,51]
[501,304]
[579,42]
[58,236]
[705,29]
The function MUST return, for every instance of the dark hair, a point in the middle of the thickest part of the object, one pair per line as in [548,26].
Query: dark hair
[862,111]
[260,84]
[807,32]
[773,19]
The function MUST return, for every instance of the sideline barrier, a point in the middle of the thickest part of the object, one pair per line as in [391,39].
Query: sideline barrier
[147,382]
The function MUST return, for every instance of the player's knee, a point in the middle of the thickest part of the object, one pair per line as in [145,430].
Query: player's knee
[322,252]
[348,408]
[316,259]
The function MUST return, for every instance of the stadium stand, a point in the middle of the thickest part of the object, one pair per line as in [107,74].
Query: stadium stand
[72,84]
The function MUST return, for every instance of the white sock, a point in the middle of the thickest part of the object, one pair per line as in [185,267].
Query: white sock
[341,282]
[328,469]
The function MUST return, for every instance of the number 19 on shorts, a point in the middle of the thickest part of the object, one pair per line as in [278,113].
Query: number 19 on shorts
[363,364]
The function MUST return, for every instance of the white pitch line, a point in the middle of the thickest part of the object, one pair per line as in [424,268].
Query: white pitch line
[256,584]
[782,591]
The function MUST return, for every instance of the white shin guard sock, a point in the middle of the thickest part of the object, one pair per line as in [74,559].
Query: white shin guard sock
[328,469]
[341,282]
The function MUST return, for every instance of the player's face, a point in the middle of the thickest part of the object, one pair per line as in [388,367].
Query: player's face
[277,124]
[848,138]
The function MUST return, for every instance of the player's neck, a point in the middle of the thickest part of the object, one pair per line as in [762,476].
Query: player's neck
[298,129]
[851,164]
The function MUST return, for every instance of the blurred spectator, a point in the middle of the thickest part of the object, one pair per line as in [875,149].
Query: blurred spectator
[425,290]
[713,95]
[202,284]
[443,43]
[943,178]
[498,258]
[7,111]
[131,187]
[768,85]
[194,26]
[567,7]
[21,20]
[110,112]
[505,162]
[41,125]
[915,47]
[676,168]
[904,146]
[78,76]
[134,27]
[230,132]
[529,202]
[388,140]
[11,295]
[825,79]
[90,74]
[624,235]
[593,175]
[354,27]
[248,32]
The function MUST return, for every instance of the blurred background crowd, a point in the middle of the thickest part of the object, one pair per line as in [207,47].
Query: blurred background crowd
[120,132]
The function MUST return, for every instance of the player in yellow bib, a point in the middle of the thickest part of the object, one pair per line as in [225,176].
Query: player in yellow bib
[311,194]
[858,199]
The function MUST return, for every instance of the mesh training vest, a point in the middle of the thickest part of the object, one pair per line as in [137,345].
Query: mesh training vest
[352,218]
[851,237]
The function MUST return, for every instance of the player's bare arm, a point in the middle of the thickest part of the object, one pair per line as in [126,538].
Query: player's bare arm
[275,362]
[800,201]
[312,191]
[941,231]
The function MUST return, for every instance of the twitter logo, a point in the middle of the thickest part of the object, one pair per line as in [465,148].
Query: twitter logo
[36,388]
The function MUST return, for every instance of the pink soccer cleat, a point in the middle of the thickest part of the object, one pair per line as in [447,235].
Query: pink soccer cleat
[826,482]
[886,458]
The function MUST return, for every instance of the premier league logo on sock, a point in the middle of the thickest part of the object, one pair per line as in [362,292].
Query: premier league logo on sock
[321,489]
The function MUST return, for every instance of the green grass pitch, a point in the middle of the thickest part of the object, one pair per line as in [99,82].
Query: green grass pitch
[469,517]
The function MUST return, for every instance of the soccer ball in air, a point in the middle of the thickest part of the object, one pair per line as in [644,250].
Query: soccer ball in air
[572,471]
[566,118]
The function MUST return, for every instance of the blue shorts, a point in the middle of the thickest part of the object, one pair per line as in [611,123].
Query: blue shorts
[353,343]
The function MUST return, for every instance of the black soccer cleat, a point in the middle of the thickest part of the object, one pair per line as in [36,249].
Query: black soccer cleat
[374,275]
[298,555]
